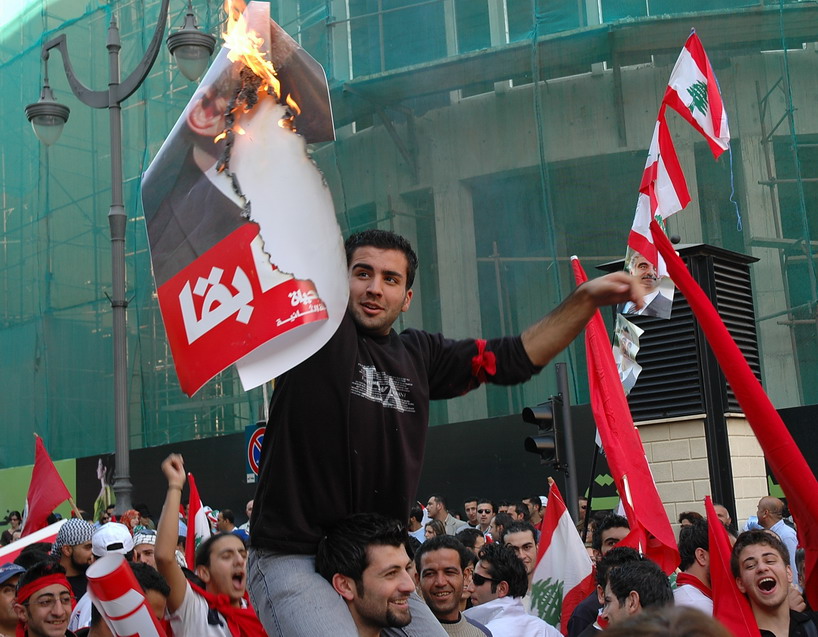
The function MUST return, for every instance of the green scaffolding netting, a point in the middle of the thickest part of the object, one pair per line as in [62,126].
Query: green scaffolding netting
[501,136]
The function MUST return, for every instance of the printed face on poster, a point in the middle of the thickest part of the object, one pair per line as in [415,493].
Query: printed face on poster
[247,255]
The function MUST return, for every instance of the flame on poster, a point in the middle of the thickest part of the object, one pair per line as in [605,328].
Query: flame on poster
[246,251]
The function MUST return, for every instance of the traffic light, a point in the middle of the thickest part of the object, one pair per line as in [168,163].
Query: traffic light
[547,417]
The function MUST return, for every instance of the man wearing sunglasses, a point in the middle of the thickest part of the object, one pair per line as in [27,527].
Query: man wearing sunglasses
[498,585]
[485,514]
[44,601]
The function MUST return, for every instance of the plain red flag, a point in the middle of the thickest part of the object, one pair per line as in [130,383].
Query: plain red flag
[730,606]
[650,529]
[782,454]
[45,493]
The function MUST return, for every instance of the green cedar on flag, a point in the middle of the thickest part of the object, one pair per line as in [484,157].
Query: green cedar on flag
[563,576]
[693,92]
[198,528]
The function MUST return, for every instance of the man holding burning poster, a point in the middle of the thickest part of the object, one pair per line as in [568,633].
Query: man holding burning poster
[347,426]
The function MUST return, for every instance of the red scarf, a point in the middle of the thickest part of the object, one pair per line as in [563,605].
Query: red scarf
[691,580]
[242,622]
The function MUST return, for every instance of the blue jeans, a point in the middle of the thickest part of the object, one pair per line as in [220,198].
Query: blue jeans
[292,600]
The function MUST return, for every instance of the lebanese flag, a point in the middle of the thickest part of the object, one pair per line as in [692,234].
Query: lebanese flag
[730,606]
[198,528]
[693,92]
[45,493]
[48,534]
[780,451]
[651,532]
[564,575]
[662,192]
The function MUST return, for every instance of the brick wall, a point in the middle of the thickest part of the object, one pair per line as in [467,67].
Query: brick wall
[677,453]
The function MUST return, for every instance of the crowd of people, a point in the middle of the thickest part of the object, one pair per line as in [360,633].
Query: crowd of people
[473,576]
[336,544]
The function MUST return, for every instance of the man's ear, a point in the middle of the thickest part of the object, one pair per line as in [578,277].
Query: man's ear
[66,550]
[600,594]
[344,586]
[632,603]
[740,585]
[702,557]
[502,589]
[406,301]
[203,572]
[20,610]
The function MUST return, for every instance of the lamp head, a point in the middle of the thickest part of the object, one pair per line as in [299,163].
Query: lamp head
[191,47]
[47,116]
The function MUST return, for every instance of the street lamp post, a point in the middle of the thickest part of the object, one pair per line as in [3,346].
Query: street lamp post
[47,118]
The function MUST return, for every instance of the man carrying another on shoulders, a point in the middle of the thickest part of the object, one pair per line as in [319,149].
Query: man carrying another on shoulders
[368,391]
[364,558]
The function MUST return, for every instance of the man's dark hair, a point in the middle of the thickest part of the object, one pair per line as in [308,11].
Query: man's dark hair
[503,565]
[33,553]
[535,500]
[646,578]
[521,509]
[469,499]
[610,521]
[504,520]
[503,503]
[384,240]
[40,570]
[344,549]
[615,558]
[204,549]
[690,516]
[486,501]
[441,500]
[519,526]
[692,537]
[417,513]
[227,514]
[150,579]
[444,542]
[468,536]
[756,536]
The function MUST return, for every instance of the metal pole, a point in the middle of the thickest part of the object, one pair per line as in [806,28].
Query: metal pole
[567,432]
[587,519]
[118,91]
[118,221]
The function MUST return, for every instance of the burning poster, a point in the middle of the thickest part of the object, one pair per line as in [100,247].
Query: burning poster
[247,255]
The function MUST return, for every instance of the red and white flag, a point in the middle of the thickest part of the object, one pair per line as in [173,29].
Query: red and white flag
[563,576]
[662,192]
[45,493]
[198,528]
[651,532]
[693,92]
[730,606]
[9,552]
[780,450]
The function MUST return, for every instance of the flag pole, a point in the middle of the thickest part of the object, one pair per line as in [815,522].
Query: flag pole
[77,513]
[587,519]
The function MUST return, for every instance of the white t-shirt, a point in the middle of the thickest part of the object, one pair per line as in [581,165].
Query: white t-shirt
[190,619]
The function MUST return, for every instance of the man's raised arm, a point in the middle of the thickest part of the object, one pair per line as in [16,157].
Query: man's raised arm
[547,338]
